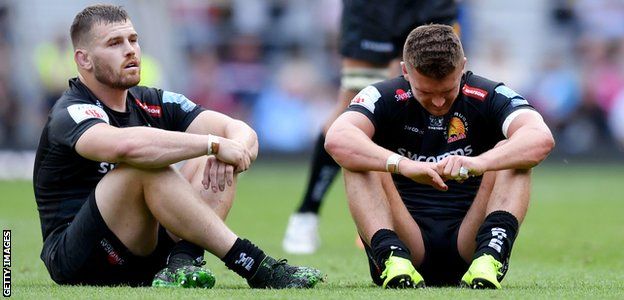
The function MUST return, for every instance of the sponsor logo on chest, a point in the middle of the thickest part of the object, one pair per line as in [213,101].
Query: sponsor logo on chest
[153,110]
[401,95]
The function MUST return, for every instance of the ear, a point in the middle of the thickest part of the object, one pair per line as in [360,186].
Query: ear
[404,70]
[82,59]
[463,66]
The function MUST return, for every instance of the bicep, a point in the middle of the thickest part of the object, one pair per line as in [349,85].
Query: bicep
[525,118]
[354,121]
[209,122]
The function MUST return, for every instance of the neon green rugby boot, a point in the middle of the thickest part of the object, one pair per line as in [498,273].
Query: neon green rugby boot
[184,274]
[400,273]
[483,273]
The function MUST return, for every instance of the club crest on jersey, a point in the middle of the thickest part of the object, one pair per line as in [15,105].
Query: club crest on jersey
[152,110]
[474,92]
[401,95]
[367,98]
[457,129]
[81,112]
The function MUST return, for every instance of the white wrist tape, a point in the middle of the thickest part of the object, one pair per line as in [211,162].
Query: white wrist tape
[392,163]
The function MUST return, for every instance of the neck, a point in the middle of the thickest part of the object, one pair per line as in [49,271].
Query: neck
[115,99]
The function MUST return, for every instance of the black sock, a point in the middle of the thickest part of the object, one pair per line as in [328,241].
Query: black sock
[384,242]
[322,174]
[244,258]
[496,235]
[185,250]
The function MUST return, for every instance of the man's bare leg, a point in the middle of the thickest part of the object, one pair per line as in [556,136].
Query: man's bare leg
[133,202]
[220,201]
[373,217]
[493,223]
[404,224]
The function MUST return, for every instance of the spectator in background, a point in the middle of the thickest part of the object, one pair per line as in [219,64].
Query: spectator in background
[281,117]
[55,63]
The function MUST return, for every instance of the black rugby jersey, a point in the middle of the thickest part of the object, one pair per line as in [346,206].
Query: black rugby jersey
[473,125]
[62,178]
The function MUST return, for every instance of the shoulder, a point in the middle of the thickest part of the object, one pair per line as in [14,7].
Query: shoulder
[78,108]
[478,88]
[384,93]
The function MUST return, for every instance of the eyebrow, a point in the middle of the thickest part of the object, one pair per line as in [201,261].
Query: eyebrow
[118,37]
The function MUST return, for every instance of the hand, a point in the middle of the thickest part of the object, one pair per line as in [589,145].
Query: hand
[234,153]
[217,174]
[449,167]
[422,172]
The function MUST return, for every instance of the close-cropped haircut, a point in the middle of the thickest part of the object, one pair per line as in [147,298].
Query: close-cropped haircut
[95,14]
[433,50]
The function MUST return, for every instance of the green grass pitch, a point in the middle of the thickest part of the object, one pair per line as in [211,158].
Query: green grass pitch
[570,245]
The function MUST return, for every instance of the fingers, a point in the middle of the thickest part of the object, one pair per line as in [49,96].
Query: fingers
[221,176]
[206,178]
[436,180]
[214,168]
[229,174]
[450,167]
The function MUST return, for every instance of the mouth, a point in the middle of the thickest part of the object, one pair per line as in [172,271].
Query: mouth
[132,65]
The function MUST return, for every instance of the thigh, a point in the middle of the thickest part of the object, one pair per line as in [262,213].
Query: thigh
[86,251]
[120,199]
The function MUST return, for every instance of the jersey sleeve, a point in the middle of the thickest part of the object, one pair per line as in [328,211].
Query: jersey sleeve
[505,105]
[368,102]
[178,111]
[68,124]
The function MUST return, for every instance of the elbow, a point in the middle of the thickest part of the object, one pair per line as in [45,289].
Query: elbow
[339,150]
[335,148]
[332,144]
[543,149]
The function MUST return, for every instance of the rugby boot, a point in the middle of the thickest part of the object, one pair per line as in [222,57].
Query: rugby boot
[277,274]
[400,273]
[185,274]
[483,273]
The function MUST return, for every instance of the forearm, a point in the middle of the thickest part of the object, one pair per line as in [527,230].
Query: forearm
[525,149]
[147,147]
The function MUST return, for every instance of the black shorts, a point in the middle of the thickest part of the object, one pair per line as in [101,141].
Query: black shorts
[375,31]
[442,265]
[86,251]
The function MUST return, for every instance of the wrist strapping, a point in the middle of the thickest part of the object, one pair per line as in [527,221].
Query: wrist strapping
[392,163]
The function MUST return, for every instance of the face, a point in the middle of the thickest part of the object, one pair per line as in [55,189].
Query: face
[115,55]
[436,96]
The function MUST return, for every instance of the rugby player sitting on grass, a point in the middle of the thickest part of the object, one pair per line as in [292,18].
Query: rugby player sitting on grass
[437,166]
[113,209]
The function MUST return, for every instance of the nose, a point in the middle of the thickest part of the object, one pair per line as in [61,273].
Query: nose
[129,48]
[438,101]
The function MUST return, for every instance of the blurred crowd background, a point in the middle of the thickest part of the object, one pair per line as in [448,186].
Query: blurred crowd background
[275,63]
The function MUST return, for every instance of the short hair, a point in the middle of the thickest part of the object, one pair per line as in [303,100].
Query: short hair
[95,14]
[433,50]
